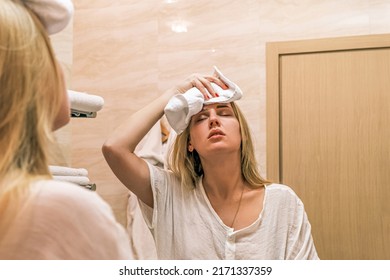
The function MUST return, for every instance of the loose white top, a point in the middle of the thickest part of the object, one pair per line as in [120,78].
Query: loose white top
[185,226]
[60,220]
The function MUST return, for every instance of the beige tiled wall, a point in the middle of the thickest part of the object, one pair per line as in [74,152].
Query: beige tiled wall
[130,51]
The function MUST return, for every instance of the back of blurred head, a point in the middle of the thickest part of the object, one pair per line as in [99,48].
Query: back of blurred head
[30,86]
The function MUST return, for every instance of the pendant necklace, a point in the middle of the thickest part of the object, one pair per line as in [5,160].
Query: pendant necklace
[238,208]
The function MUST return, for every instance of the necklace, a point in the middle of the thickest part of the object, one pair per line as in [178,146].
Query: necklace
[238,208]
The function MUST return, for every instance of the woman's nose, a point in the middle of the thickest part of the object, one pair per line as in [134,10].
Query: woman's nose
[213,119]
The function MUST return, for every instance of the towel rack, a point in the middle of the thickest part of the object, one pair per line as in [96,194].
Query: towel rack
[91,187]
[80,114]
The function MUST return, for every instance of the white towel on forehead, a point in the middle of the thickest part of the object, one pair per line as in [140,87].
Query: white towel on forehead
[182,107]
[54,14]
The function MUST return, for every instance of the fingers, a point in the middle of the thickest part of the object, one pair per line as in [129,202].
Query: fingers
[203,84]
[218,81]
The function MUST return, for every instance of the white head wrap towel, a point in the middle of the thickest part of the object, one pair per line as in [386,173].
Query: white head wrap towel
[54,14]
[182,107]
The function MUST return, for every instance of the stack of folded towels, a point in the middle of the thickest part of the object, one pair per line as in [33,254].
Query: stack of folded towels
[78,176]
[84,104]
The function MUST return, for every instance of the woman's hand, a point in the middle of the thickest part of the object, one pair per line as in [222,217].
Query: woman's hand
[202,83]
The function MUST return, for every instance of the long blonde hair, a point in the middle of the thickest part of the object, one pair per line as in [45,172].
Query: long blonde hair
[187,165]
[30,99]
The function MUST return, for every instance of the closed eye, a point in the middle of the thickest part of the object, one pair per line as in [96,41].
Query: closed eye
[225,112]
[201,117]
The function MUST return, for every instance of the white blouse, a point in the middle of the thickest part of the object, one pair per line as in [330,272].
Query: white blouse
[185,226]
[60,220]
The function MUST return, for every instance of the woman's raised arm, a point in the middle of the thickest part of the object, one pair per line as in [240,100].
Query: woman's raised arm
[118,149]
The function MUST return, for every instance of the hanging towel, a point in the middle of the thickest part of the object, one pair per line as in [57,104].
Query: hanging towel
[182,107]
[56,170]
[54,14]
[78,180]
[85,102]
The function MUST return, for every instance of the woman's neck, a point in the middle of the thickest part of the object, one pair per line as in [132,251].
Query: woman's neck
[223,178]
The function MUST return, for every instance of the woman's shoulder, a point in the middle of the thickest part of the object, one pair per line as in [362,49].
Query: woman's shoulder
[68,213]
[162,176]
[282,192]
[281,188]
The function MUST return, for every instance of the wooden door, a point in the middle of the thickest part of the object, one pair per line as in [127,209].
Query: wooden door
[328,137]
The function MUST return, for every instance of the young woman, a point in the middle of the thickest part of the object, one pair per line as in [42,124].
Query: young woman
[41,218]
[212,203]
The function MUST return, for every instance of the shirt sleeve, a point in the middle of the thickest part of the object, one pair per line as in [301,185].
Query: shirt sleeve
[162,182]
[300,241]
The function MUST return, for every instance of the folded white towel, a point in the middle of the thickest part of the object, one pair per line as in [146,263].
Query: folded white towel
[54,14]
[78,180]
[182,107]
[85,102]
[67,171]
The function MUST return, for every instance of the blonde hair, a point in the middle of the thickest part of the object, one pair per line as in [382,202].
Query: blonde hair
[187,165]
[29,102]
